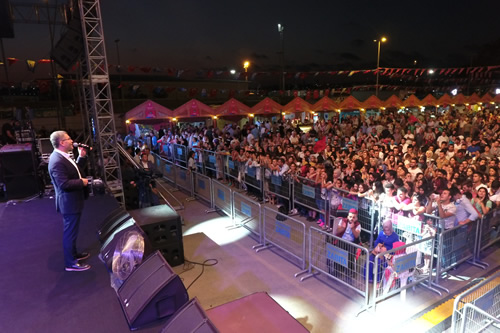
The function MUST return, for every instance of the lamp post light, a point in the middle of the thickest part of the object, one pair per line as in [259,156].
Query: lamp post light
[378,41]
[281,30]
[246,64]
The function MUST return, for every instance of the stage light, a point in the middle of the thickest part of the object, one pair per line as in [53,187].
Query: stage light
[497,91]
[232,71]
[454,92]
[430,71]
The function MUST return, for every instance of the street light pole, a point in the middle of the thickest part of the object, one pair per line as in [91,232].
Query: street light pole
[381,40]
[281,30]
[246,64]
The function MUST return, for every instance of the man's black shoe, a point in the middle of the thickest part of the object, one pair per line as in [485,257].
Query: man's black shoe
[82,256]
[77,267]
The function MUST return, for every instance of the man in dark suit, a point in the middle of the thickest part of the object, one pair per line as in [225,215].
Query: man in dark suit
[70,187]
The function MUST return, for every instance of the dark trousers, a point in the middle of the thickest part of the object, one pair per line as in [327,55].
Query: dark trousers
[71,226]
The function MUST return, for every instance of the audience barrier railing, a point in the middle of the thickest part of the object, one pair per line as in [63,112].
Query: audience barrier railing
[280,187]
[489,230]
[232,170]
[478,309]
[287,234]
[248,213]
[341,260]
[222,197]
[184,179]
[180,154]
[455,246]
[203,188]
[253,180]
[209,163]
[309,195]
[401,268]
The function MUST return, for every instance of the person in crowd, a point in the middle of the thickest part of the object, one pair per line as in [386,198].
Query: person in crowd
[481,202]
[71,191]
[465,213]
[444,207]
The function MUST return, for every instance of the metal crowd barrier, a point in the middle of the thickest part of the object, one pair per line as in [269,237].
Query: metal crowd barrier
[287,234]
[209,162]
[401,268]
[232,169]
[308,195]
[455,246]
[253,179]
[478,309]
[167,168]
[279,186]
[203,188]
[488,234]
[339,259]
[180,154]
[184,179]
[248,213]
[222,197]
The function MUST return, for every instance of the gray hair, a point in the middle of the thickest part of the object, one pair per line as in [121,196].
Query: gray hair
[56,137]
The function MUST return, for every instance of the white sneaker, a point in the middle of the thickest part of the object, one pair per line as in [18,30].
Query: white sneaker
[293,212]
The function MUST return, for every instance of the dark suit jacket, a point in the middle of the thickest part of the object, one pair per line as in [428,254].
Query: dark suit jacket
[70,192]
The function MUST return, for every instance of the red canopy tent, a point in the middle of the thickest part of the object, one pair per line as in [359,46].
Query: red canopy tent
[148,112]
[429,100]
[325,104]
[194,109]
[350,103]
[474,99]
[445,100]
[487,98]
[233,107]
[297,105]
[267,106]
[392,102]
[459,99]
[372,102]
[411,101]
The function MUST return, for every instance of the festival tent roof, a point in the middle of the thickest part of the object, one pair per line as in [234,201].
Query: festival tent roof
[474,98]
[487,98]
[497,98]
[266,106]
[194,109]
[233,107]
[429,100]
[445,100]
[325,104]
[392,102]
[297,105]
[350,103]
[148,111]
[459,99]
[372,102]
[411,101]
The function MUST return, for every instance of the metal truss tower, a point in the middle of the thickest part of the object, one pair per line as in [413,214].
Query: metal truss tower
[96,91]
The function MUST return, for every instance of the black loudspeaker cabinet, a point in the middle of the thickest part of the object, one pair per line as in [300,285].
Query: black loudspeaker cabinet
[163,227]
[18,170]
[152,292]
[190,318]
[109,246]
[111,222]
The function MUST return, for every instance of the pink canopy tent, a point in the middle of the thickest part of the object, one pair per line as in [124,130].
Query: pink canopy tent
[233,107]
[350,103]
[267,106]
[412,100]
[372,102]
[297,105]
[429,100]
[149,112]
[325,104]
[445,100]
[194,109]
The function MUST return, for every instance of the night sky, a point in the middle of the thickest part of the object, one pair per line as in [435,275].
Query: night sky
[319,35]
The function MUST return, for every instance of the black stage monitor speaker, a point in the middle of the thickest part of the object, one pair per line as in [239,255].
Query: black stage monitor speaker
[163,227]
[152,292]
[111,222]
[110,246]
[190,319]
[18,170]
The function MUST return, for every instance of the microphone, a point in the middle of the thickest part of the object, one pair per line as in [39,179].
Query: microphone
[82,145]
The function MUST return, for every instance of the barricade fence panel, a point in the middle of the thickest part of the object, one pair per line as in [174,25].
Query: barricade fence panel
[309,195]
[286,233]
[203,187]
[399,269]
[485,296]
[277,185]
[340,259]
[490,223]
[166,168]
[477,320]
[222,197]
[456,245]
[232,169]
[253,180]
[184,178]
[209,161]
[248,213]
[180,154]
